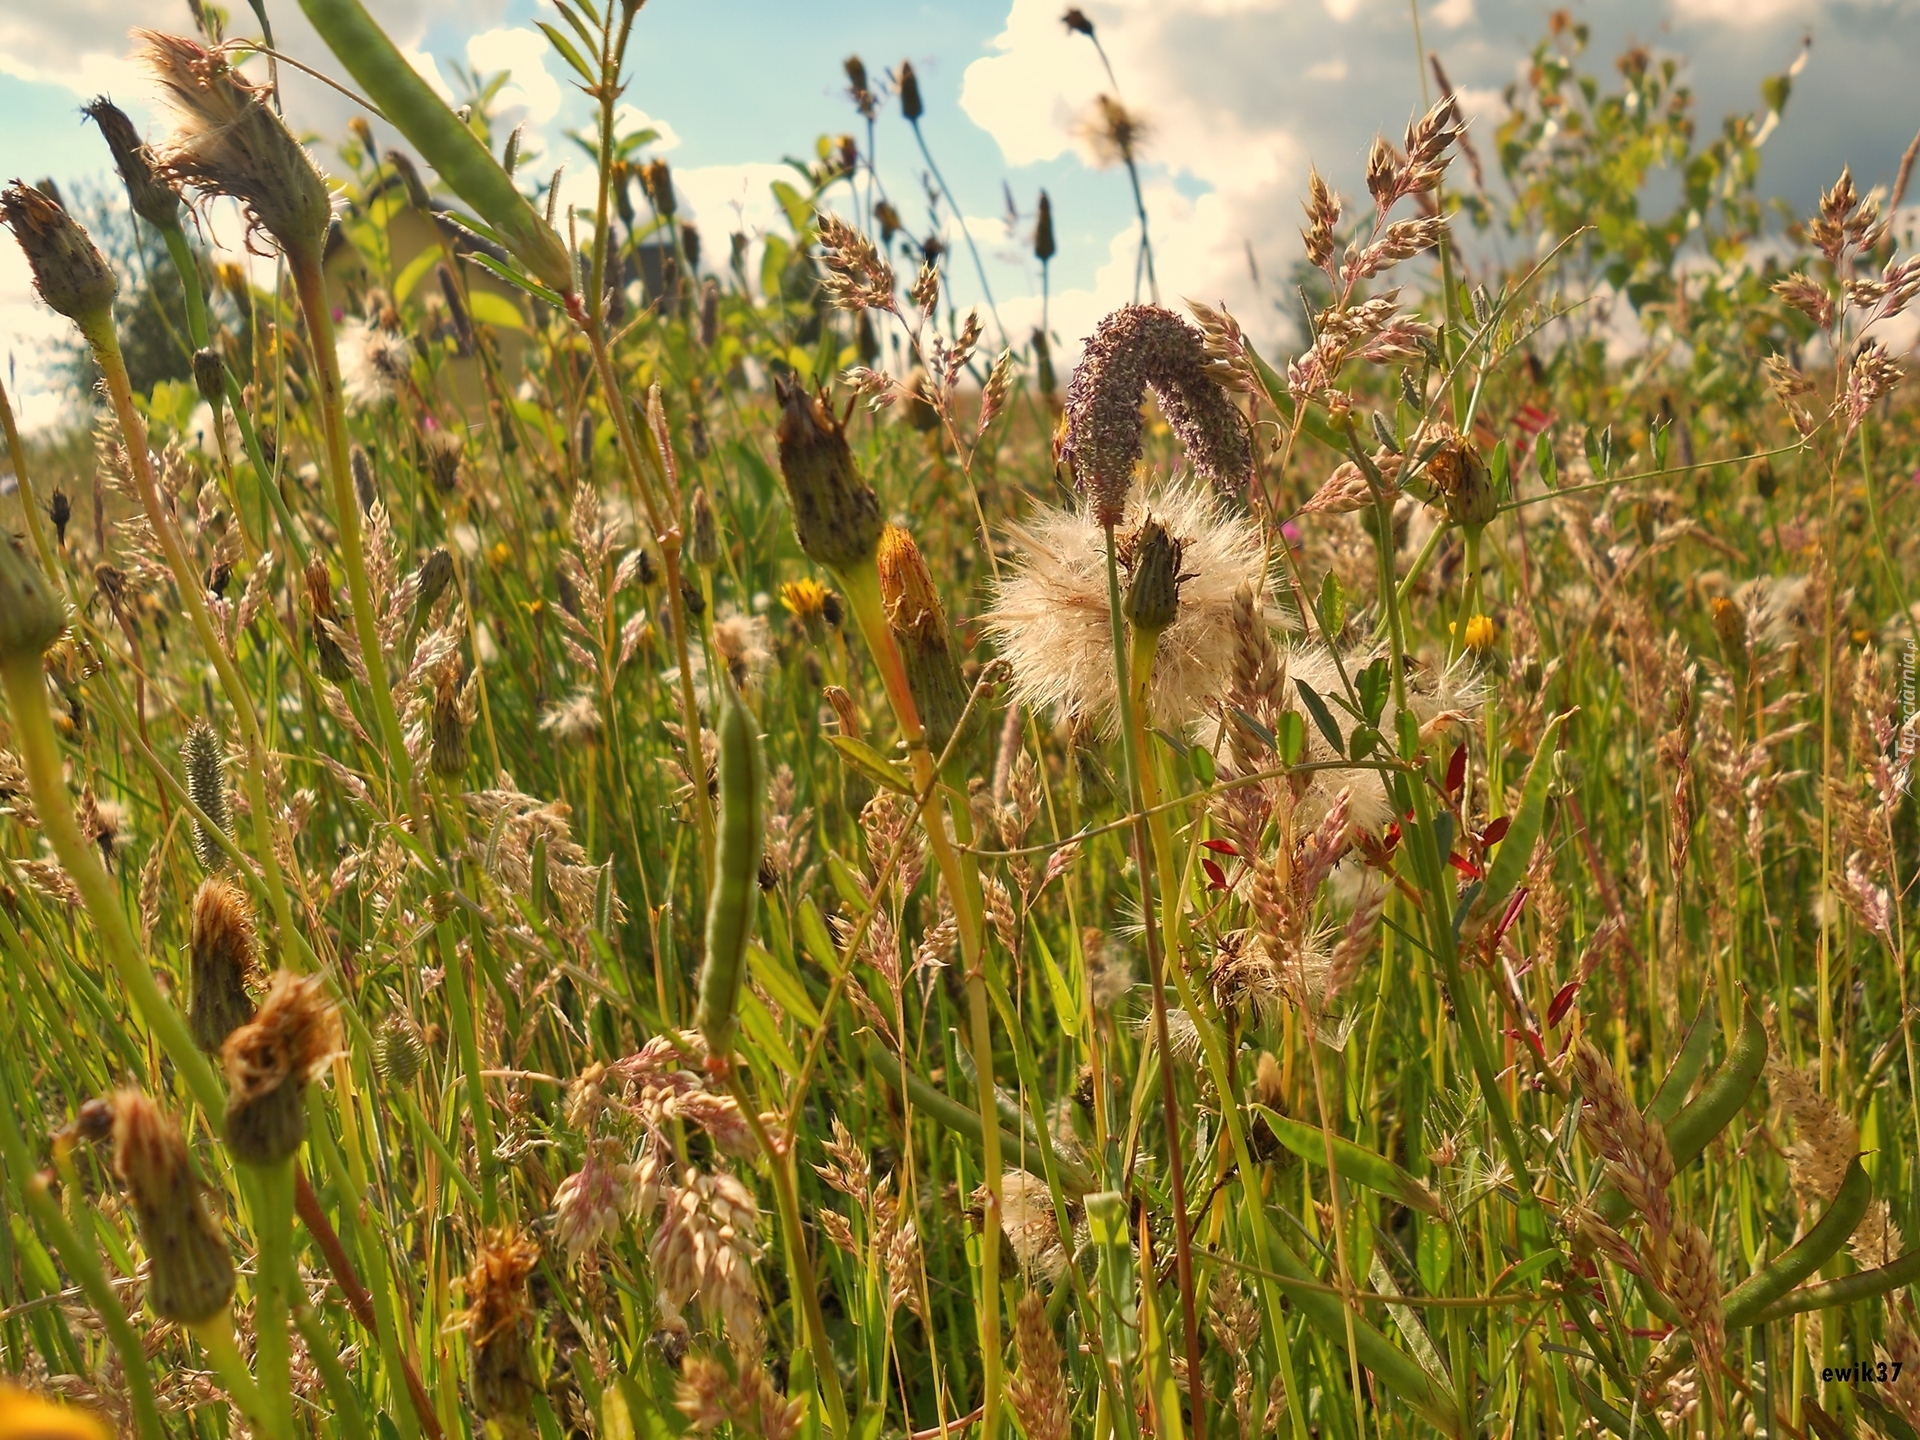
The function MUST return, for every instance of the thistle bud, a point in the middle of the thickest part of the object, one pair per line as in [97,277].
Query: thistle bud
[450,723]
[228,140]
[436,573]
[207,785]
[457,314]
[919,626]
[1730,628]
[1461,483]
[30,616]
[498,1322]
[1043,247]
[69,271]
[657,180]
[399,1050]
[836,515]
[220,958]
[334,664]
[190,1269]
[269,1063]
[153,199]
[364,488]
[910,104]
[703,537]
[583,443]
[1153,595]
[210,376]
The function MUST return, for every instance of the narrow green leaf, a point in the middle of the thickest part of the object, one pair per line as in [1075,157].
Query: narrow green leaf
[1355,1162]
[1322,719]
[1516,850]
[567,52]
[872,764]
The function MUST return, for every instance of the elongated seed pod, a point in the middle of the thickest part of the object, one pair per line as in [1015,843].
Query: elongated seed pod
[730,907]
[449,146]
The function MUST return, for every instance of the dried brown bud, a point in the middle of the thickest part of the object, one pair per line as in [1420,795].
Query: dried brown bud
[365,489]
[269,1063]
[334,664]
[1461,483]
[409,174]
[190,1269]
[229,141]
[919,625]
[450,723]
[498,1322]
[210,377]
[657,180]
[153,199]
[703,531]
[909,83]
[69,271]
[445,450]
[836,515]
[1043,246]
[220,958]
[436,573]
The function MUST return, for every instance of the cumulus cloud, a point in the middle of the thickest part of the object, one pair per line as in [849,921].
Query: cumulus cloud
[521,52]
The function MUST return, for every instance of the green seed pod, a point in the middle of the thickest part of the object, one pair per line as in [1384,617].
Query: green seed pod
[220,958]
[453,150]
[30,615]
[69,271]
[399,1050]
[836,515]
[730,907]
[190,1269]
[207,784]
[1153,595]
[153,199]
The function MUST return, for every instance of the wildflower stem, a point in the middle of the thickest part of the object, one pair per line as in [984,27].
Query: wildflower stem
[311,287]
[29,506]
[216,1338]
[77,1254]
[270,1193]
[99,333]
[189,272]
[979,268]
[667,534]
[960,871]
[26,689]
[1145,850]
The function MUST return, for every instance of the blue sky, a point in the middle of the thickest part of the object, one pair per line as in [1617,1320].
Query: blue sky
[1240,95]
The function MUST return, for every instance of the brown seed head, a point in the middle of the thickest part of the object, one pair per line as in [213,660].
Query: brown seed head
[190,1268]
[269,1063]
[498,1321]
[221,959]
[836,515]
[1038,1389]
[1135,348]
[229,141]
[69,271]
[909,84]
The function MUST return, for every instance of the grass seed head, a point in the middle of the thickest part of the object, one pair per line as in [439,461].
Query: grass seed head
[269,1063]
[190,1269]
[399,1050]
[228,141]
[836,515]
[69,272]
[221,961]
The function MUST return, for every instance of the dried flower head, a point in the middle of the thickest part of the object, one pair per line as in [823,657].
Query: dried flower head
[269,1063]
[1038,1389]
[574,721]
[499,1322]
[1112,134]
[836,515]
[190,1269]
[153,199]
[1050,614]
[220,962]
[919,625]
[69,272]
[1136,348]
[740,644]
[374,363]
[229,141]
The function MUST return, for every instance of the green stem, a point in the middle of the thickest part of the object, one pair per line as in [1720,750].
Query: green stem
[310,285]
[79,1258]
[39,751]
[270,1190]
[216,1338]
[189,272]
[347,1411]
[16,452]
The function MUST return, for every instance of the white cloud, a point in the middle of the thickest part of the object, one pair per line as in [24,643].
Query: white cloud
[630,118]
[429,70]
[1452,14]
[1333,70]
[522,53]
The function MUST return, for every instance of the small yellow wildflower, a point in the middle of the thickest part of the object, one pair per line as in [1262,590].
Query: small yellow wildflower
[1480,632]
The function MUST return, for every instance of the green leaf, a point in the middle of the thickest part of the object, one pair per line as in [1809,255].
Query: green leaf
[1200,761]
[1354,1162]
[568,53]
[1362,743]
[1322,720]
[1290,740]
[872,764]
[1332,607]
[488,308]
[783,985]
[1775,89]
[799,213]
[415,271]
[1375,684]
[1544,460]
[519,282]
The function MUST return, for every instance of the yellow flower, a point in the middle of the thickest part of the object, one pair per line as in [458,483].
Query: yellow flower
[805,600]
[1480,632]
